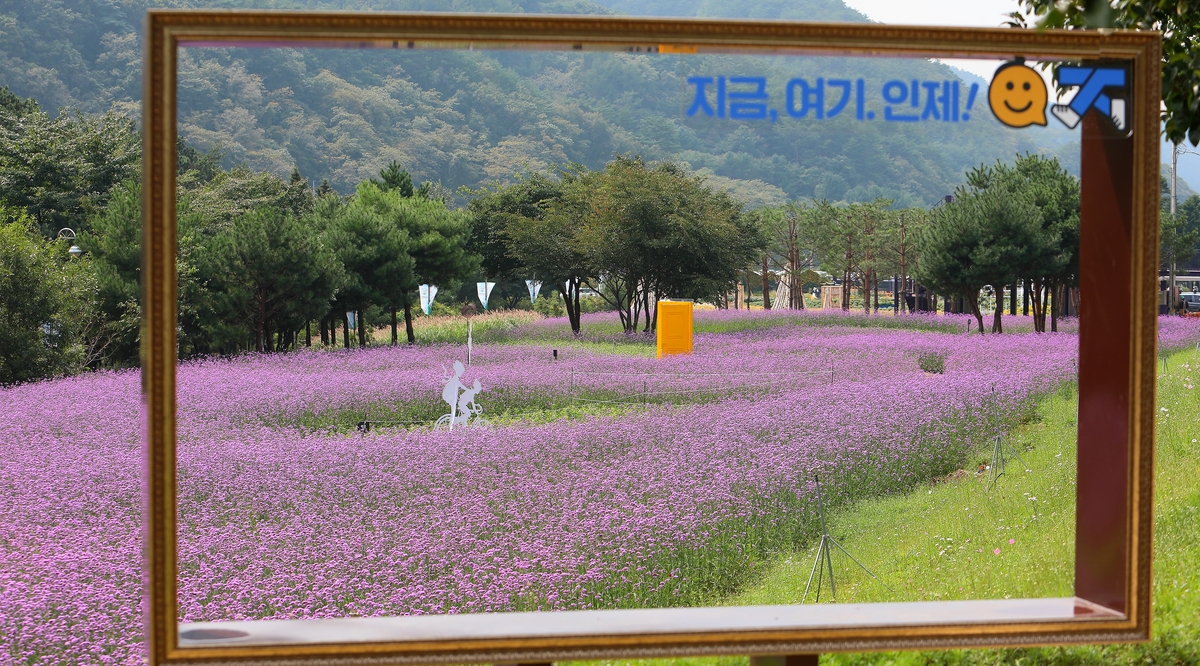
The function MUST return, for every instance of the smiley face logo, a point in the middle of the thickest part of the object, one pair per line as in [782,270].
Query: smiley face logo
[1018,95]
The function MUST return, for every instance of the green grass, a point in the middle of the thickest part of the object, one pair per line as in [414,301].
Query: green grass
[452,329]
[939,542]
[514,326]
[505,405]
[818,318]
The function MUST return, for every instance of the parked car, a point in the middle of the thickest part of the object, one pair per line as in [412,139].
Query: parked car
[1192,300]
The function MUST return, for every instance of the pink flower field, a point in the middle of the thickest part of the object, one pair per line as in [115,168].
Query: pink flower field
[607,480]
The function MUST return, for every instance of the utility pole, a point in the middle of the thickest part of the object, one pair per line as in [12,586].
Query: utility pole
[1176,149]
[1174,200]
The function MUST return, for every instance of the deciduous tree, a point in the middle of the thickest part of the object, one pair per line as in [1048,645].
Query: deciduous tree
[59,169]
[36,339]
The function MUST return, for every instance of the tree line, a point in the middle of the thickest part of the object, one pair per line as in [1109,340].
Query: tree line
[268,264]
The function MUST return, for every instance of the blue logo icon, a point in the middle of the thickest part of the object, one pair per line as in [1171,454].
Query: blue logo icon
[1092,82]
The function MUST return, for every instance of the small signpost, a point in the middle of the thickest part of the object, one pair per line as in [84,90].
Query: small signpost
[674,328]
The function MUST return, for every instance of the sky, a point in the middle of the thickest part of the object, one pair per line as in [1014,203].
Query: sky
[974,13]
[984,14]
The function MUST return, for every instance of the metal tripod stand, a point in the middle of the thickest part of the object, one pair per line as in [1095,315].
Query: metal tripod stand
[824,556]
[996,468]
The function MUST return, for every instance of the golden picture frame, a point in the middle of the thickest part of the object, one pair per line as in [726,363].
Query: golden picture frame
[1119,244]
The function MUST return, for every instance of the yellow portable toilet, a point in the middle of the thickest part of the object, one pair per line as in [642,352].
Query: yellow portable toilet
[674,328]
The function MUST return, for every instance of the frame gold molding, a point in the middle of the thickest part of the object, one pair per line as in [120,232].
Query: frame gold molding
[1116,608]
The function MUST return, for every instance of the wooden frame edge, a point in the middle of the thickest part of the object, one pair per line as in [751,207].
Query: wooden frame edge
[164,27]
[1143,373]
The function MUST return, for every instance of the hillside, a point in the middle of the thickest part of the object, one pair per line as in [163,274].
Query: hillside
[467,118]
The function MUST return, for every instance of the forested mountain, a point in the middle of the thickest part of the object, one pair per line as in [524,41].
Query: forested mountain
[468,118]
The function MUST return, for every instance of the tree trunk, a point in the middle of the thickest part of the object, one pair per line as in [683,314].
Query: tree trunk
[1012,299]
[1025,297]
[795,291]
[867,292]
[766,285]
[997,326]
[973,301]
[568,304]
[875,287]
[1031,300]
[635,307]
[578,312]
[628,317]
[646,299]
[362,330]
[1039,299]
[345,331]
[1055,304]
[570,298]
[263,332]
[846,290]
[308,333]
[408,329]
[395,337]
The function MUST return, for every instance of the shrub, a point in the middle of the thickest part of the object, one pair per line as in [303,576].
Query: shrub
[550,305]
[934,362]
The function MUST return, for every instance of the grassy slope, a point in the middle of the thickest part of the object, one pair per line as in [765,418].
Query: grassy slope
[906,541]
[939,543]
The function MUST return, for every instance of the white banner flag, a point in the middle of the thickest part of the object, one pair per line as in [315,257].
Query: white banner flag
[352,320]
[535,288]
[428,293]
[484,289]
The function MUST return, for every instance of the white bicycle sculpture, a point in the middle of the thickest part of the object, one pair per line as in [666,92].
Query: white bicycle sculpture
[464,410]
